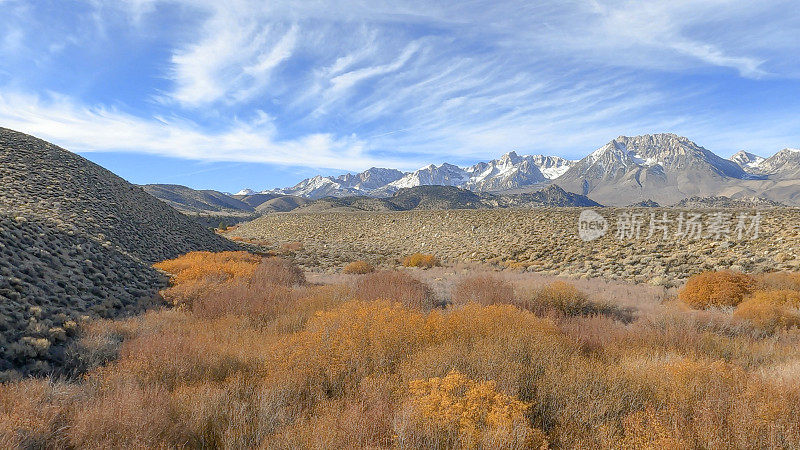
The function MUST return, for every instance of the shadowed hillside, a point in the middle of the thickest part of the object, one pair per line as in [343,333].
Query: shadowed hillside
[76,242]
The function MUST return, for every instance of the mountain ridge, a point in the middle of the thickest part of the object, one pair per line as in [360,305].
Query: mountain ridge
[662,167]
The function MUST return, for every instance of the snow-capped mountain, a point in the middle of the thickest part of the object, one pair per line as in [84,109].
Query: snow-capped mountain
[508,172]
[782,165]
[662,167]
[749,162]
[371,179]
[245,192]
[344,185]
[552,167]
[443,175]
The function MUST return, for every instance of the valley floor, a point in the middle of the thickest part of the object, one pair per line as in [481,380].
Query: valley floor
[543,240]
[260,354]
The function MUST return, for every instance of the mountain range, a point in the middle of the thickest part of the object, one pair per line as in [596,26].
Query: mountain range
[665,168]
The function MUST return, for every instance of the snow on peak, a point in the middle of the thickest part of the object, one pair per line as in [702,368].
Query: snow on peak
[245,192]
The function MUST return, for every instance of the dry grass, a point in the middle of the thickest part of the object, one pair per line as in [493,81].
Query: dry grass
[261,360]
[423,260]
[716,289]
[358,268]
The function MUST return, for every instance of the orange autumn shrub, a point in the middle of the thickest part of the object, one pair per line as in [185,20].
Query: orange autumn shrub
[34,412]
[485,289]
[647,429]
[224,284]
[358,267]
[716,289]
[457,412]
[199,265]
[771,310]
[267,361]
[423,260]
[397,286]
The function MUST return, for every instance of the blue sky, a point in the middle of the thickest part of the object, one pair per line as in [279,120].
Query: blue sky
[259,94]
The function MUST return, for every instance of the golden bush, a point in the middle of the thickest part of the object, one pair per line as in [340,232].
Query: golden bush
[423,260]
[358,267]
[771,310]
[262,361]
[199,265]
[484,289]
[457,412]
[718,289]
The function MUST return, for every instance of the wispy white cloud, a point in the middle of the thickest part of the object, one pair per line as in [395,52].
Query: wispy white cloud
[343,80]
[83,129]
[233,60]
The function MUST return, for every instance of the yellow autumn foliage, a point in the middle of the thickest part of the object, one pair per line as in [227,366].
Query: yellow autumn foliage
[462,413]
[256,358]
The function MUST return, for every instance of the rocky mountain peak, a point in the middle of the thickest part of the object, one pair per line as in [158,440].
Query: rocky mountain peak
[749,162]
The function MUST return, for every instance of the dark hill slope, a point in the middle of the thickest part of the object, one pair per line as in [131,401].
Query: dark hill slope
[42,180]
[76,241]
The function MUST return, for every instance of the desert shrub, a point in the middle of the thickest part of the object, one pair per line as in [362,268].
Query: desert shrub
[564,299]
[276,272]
[234,292]
[362,419]
[426,261]
[771,310]
[34,413]
[646,429]
[716,289]
[457,412]
[358,267]
[779,280]
[396,286]
[276,364]
[199,265]
[484,289]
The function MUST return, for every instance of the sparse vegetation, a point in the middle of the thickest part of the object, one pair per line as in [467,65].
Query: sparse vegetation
[255,357]
[423,260]
[358,268]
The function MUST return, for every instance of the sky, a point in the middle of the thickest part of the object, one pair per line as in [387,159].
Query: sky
[260,94]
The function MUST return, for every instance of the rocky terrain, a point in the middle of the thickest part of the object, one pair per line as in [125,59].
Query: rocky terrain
[76,240]
[543,240]
[726,202]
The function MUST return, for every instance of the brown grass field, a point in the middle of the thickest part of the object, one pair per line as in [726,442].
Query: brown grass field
[255,353]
